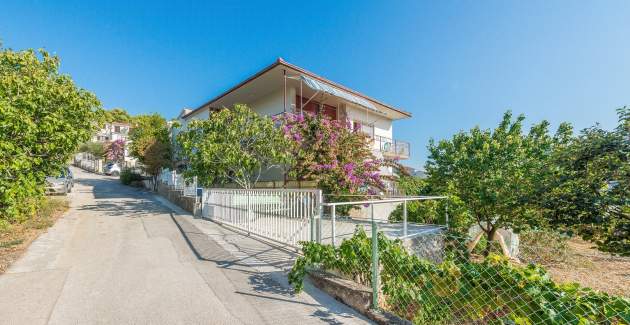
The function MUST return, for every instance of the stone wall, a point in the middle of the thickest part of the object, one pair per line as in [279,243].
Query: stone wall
[429,246]
[177,197]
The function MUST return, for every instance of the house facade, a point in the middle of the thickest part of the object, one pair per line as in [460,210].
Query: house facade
[112,131]
[283,87]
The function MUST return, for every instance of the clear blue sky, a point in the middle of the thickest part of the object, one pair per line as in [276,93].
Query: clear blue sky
[454,65]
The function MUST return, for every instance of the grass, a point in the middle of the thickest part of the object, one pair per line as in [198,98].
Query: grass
[15,238]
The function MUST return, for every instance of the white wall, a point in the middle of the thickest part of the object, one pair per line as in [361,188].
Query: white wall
[273,103]
[382,127]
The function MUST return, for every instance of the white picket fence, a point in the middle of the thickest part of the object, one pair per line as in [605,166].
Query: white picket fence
[177,181]
[190,187]
[287,216]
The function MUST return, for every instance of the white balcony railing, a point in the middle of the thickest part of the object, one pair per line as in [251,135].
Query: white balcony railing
[392,147]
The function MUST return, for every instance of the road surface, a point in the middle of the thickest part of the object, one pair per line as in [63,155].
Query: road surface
[124,256]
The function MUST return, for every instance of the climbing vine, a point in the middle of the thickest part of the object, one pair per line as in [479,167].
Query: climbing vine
[493,291]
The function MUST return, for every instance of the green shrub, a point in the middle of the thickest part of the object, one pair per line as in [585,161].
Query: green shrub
[127,177]
[44,117]
[492,291]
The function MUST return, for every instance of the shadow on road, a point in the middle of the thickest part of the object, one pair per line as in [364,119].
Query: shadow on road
[116,199]
[264,285]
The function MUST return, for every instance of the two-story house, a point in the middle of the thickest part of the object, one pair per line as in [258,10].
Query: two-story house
[112,131]
[283,87]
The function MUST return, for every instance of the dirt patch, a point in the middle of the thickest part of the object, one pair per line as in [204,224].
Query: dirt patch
[592,268]
[15,240]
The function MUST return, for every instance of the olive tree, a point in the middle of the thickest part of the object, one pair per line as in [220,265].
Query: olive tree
[235,145]
[44,117]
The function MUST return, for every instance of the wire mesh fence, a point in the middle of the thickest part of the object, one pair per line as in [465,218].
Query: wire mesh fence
[425,274]
[436,278]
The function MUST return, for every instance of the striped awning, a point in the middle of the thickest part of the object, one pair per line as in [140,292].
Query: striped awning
[323,87]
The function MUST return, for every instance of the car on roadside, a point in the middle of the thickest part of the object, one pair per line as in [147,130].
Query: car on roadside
[60,184]
[112,169]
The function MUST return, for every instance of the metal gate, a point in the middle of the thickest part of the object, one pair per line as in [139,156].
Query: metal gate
[287,216]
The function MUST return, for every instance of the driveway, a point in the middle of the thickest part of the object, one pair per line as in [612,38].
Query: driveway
[123,256]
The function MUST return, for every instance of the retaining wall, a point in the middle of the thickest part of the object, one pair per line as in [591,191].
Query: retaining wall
[177,197]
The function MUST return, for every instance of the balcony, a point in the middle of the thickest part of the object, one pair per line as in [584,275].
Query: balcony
[392,148]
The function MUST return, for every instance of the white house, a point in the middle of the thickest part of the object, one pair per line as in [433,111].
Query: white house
[112,131]
[283,87]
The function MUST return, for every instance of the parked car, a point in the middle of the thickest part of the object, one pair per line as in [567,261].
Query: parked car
[112,169]
[60,184]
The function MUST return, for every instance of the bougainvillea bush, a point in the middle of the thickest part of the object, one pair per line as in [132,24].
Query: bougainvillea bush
[116,150]
[331,153]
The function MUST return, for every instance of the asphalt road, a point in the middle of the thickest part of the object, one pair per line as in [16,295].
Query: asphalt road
[124,256]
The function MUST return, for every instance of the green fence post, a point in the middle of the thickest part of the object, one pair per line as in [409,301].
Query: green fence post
[446,214]
[374,260]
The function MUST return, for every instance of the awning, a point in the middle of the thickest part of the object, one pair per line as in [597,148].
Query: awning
[320,86]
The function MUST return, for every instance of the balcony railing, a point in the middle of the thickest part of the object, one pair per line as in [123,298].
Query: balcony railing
[391,147]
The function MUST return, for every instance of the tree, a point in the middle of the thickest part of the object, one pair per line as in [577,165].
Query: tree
[96,149]
[116,151]
[233,145]
[329,152]
[589,188]
[494,173]
[150,143]
[44,117]
[157,155]
[116,115]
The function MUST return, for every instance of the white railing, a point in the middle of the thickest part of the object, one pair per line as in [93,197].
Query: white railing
[165,176]
[178,181]
[392,146]
[88,162]
[284,215]
[335,230]
[190,187]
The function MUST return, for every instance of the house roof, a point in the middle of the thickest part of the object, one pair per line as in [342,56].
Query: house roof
[281,62]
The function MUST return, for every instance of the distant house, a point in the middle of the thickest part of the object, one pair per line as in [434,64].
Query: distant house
[283,87]
[112,131]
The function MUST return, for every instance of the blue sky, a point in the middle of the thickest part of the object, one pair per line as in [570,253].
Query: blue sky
[453,64]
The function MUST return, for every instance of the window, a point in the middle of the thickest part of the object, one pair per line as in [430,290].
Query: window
[117,128]
[315,107]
